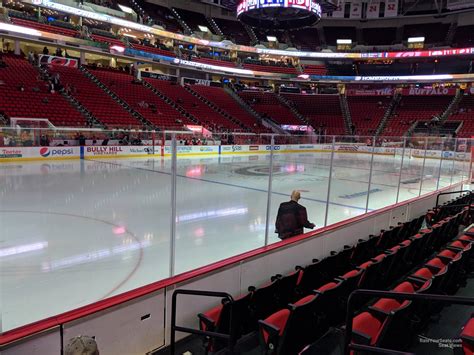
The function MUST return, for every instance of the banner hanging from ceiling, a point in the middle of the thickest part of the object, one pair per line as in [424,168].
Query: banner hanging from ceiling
[391,8]
[356,9]
[373,8]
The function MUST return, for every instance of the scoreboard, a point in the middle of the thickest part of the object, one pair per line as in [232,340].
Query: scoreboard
[308,5]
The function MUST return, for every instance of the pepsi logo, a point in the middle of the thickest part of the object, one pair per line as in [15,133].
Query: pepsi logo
[44,152]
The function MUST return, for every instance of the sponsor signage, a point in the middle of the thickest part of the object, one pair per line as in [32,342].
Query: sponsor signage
[204,66]
[203,82]
[348,148]
[104,150]
[428,91]
[185,149]
[193,81]
[11,153]
[142,150]
[295,128]
[164,77]
[46,152]
[275,147]
[374,92]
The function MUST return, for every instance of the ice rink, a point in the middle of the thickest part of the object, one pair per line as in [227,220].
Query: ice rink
[75,232]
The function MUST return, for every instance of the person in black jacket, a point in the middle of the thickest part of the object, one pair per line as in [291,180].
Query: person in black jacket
[292,218]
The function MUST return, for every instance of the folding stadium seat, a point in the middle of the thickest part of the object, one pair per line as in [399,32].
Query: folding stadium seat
[364,249]
[436,264]
[389,268]
[398,332]
[273,296]
[314,276]
[367,329]
[372,272]
[338,262]
[351,281]
[448,254]
[332,300]
[417,251]
[286,291]
[466,238]
[382,325]
[223,318]
[430,273]
[288,330]
[447,229]
[459,266]
[388,238]
[462,245]
[415,226]
[467,338]
[420,312]
[399,266]
[263,302]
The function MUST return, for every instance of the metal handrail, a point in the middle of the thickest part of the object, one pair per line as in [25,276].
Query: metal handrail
[174,328]
[467,301]
[454,192]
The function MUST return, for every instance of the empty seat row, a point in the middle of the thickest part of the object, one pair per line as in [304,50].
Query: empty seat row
[25,95]
[268,105]
[390,323]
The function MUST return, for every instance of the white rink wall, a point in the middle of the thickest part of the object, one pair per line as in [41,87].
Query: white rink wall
[9,154]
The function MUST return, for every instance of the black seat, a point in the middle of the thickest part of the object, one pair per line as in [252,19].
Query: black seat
[289,330]
[221,319]
[314,276]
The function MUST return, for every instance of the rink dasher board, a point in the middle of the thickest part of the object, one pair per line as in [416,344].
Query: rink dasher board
[16,154]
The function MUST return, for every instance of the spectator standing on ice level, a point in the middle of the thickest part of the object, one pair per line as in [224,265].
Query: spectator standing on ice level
[292,218]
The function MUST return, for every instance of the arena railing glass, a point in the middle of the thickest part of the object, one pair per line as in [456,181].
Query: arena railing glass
[135,207]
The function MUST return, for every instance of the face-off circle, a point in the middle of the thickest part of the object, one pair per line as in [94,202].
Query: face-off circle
[279,14]
[264,170]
